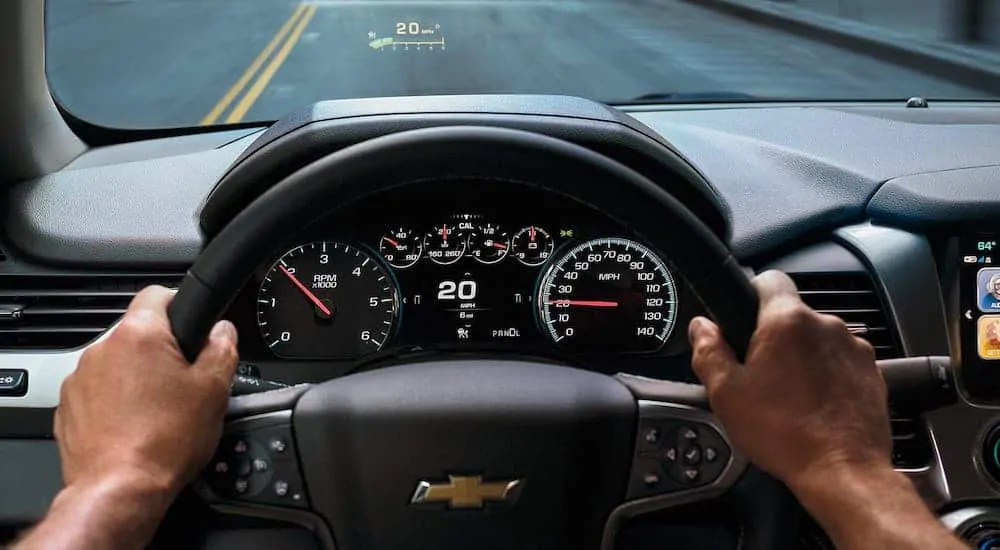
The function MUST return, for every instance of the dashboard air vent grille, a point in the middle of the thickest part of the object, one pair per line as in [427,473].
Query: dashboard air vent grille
[57,311]
[853,298]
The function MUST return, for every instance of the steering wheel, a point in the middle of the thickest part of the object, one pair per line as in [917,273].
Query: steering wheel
[485,453]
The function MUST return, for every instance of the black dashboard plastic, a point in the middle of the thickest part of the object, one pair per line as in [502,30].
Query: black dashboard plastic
[949,197]
[782,181]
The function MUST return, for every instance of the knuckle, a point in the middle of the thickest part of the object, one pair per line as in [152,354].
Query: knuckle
[832,323]
[792,316]
[865,348]
[139,328]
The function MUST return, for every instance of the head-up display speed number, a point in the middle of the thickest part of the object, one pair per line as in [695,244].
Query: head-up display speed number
[610,295]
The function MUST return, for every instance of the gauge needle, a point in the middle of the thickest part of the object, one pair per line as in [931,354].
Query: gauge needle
[531,233]
[501,246]
[444,233]
[583,303]
[390,241]
[312,297]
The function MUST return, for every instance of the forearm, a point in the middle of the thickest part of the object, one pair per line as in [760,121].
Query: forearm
[873,508]
[119,511]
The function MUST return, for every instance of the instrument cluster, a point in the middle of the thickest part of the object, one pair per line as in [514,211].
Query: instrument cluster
[379,280]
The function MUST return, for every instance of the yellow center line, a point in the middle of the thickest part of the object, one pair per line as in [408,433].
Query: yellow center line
[264,78]
[223,103]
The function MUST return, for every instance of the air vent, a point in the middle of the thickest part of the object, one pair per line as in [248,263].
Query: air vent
[65,311]
[852,297]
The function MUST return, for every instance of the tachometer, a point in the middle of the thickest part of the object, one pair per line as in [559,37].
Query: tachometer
[612,295]
[326,300]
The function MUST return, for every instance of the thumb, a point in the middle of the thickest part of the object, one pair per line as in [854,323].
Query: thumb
[713,360]
[219,356]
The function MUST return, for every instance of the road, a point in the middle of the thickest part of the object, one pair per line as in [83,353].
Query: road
[154,63]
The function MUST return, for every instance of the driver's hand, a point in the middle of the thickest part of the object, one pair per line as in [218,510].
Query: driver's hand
[809,396]
[136,408]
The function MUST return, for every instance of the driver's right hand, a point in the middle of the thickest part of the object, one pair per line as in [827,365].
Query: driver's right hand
[809,399]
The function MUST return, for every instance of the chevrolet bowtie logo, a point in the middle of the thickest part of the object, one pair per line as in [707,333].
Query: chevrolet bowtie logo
[466,491]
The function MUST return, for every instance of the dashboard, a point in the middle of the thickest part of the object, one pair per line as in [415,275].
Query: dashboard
[428,268]
[501,268]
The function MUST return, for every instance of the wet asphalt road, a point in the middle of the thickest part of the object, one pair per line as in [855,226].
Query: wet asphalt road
[142,63]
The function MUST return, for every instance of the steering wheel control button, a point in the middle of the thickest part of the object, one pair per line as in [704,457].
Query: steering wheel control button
[652,436]
[221,467]
[240,447]
[241,486]
[13,382]
[281,488]
[651,480]
[259,465]
[670,455]
[689,434]
[692,455]
[691,474]
[244,469]
[711,454]
[278,445]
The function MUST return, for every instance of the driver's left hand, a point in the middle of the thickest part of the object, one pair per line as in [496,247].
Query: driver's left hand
[135,408]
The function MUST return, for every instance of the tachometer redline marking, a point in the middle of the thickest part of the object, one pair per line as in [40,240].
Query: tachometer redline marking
[312,297]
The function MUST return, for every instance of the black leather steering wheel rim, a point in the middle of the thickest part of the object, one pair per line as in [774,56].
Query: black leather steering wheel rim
[462,152]
[469,154]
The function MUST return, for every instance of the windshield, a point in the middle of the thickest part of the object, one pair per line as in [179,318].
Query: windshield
[163,63]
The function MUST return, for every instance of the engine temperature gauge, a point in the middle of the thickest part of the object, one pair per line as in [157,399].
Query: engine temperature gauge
[401,247]
[445,244]
[532,246]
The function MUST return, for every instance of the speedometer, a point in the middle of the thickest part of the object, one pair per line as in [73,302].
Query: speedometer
[609,295]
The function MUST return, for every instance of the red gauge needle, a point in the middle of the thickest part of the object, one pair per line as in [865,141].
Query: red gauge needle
[444,233]
[583,303]
[390,241]
[312,297]
[501,246]
[531,233]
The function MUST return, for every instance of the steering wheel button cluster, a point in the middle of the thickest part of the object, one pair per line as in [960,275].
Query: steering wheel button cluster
[255,462]
[689,454]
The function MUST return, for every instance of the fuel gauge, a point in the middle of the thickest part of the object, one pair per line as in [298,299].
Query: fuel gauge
[489,243]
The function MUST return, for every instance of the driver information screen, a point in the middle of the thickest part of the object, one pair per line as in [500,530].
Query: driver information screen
[979,302]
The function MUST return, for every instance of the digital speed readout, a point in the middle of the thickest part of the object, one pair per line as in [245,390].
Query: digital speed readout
[608,295]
